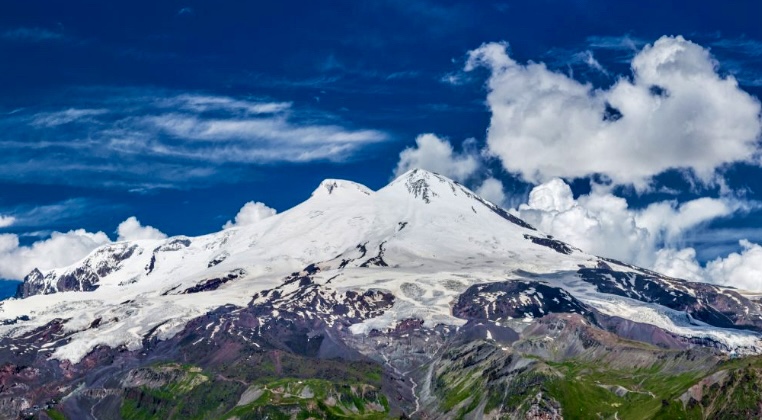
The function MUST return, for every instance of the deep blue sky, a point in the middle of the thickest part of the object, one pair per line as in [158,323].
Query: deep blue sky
[352,65]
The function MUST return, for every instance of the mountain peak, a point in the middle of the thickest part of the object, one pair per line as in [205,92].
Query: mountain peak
[425,185]
[340,186]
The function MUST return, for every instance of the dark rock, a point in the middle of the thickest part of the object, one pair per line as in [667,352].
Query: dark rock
[516,299]
[554,244]
[217,259]
[215,283]
[711,304]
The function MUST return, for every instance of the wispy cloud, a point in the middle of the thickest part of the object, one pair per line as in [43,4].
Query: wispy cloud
[574,61]
[615,49]
[45,215]
[438,19]
[149,139]
[622,42]
[52,119]
[742,57]
[589,60]
[748,46]
[24,34]
[204,103]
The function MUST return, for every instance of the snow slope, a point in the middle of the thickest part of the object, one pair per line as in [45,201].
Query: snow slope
[423,237]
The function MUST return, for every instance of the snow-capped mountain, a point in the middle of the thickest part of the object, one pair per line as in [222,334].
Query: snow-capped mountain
[350,265]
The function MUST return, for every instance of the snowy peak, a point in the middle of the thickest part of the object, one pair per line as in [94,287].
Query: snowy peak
[425,185]
[424,239]
[83,276]
[430,187]
[333,187]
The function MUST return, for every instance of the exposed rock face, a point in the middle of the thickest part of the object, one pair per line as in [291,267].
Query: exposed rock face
[714,305]
[34,284]
[173,245]
[554,244]
[399,302]
[516,299]
[83,277]
[214,283]
[218,259]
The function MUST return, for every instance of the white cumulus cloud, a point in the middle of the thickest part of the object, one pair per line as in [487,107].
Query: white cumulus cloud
[675,111]
[742,269]
[437,155]
[680,263]
[251,212]
[60,250]
[492,189]
[6,221]
[604,224]
[132,230]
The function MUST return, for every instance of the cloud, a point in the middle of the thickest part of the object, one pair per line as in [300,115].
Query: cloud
[437,155]
[623,42]
[6,221]
[742,57]
[60,250]
[251,212]
[30,35]
[492,189]
[743,270]
[64,212]
[738,269]
[748,46]
[205,103]
[52,119]
[252,140]
[138,139]
[679,263]
[603,224]
[675,112]
[588,58]
[132,230]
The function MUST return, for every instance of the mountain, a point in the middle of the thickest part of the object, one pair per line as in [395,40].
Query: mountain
[374,304]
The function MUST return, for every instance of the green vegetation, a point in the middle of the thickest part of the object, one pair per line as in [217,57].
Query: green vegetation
[302,399]
[187,392]
[661,384]
[55,414]
[587,389]
[263,367]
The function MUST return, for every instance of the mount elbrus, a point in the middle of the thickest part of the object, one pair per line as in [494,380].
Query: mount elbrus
[420,299]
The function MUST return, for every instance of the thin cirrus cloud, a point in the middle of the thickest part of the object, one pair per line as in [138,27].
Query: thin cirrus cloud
[70,211]
[749,46]
[149,139]
[744,58]
[56,118]
[27,34]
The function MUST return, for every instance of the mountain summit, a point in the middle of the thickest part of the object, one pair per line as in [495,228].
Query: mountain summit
[398,280]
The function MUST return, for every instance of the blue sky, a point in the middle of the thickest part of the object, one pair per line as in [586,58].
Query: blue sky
[178,113]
